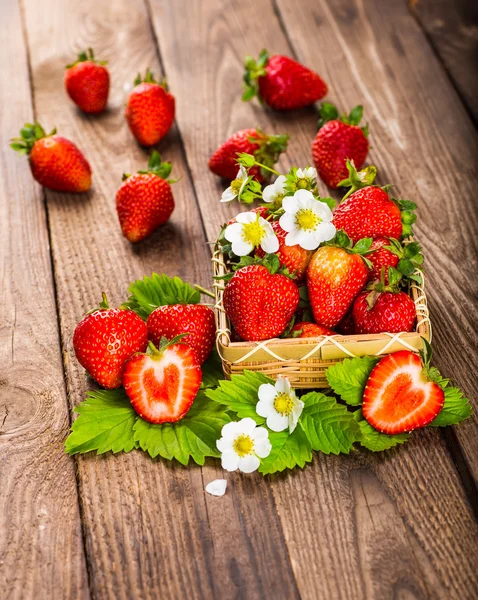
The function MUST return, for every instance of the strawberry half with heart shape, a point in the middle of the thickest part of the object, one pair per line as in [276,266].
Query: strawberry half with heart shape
[281,83]
[105,339]
[400,396]
[196,321]
[335,276]
[368,211]
[260,303]
[266,149]
[163,383]
[55,162]
[145,201]
[305,329]
[339,138]
[150,110]
[87,82]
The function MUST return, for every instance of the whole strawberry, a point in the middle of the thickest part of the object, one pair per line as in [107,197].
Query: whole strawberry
[145,201]
[346,325]
[335,276]
[195,320]
[149,110]
[368,211]
[381,258]
[339,138]
[105,339]
[294,258]
[281,83]
[259,303]
[87,82]
[389,311]
[305,329]
[55,162]
[265,148]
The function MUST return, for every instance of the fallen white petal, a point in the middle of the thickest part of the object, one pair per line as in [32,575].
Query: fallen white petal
[217,487]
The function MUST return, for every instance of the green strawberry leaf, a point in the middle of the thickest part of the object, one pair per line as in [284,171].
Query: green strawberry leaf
[194,436]
[158,290]
[457,408]
[348,378]
[105,423]
[328,425]
[374,440]
[288,451]
[212,371]
[240,394]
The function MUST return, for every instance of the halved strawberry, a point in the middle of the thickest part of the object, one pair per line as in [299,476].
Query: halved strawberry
[399,396]
[163,383]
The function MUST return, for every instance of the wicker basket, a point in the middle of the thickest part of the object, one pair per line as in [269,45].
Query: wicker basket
[305,360]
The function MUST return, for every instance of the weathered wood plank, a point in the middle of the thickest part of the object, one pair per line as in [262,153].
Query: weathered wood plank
[385,62]
[332,547]
[41,545]
[149,529]
[452,29]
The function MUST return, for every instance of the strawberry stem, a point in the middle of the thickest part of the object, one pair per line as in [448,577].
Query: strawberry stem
[104,302]
[204,291]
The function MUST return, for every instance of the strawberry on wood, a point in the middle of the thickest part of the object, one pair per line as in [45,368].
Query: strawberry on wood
[87,82]
[55,162]
[281,82]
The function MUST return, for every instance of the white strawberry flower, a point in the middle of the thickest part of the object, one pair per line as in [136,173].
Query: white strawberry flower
[237,186]
[251,231]
[306,220]
[242,445]
[308,173]
[279,405]
[275,191]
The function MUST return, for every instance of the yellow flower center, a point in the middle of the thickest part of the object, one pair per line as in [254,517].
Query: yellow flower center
[303,184]
[253,233]
[306,219]
[283,404]
[236,186]
[243,445]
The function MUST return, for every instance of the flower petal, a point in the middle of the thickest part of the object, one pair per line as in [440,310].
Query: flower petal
[294,237]
[228,195]
[249,463]
[279,184]
[323,211]
[307,240]
[264,409]
[263,446]
[270,243]
[246,217]
[289,204]
[260,433]
[283,385]
[247,425]
[304,199]
[241,247]
[217,487]
[230,461]
[327,231]
[267,392]
[231,429]
[269,193]
[287,220]
[233,232]
[277,422]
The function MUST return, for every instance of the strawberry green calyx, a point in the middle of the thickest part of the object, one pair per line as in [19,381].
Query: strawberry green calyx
[358,179]
[407,208]
[156,353]
[103,305]
[270,261]
[85,56]
[328,112]
[149,78]
[410,259]
[362,247]
[157,167]
[254,70]
[379,287]
[270,148]
[29,134]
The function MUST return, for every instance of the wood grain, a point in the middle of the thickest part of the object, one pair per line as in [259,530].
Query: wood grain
[41,546]
[452,29]
[148,526]
[321,509]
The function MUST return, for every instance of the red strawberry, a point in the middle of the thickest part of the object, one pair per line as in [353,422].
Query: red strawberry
[163,384]
[105,339]
[337,140]
[381,258]
[265,148]
[346,325]
[388,311]
[87,82]
[258,303]
[145,201]
[195,320]
[56,163]
[306,330]
[368,211]
[294,258]
[281,83]
[399,396]
[335,276]
[149,110]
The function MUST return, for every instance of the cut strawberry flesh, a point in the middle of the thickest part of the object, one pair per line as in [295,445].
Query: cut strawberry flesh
[162,387]
[398,397]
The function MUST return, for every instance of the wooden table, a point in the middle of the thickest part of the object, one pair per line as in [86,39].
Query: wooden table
[397,525]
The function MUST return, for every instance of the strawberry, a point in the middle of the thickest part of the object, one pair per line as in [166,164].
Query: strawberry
[281,83]
[55,162]
[346,325]
[149,110]
[307,330]
[337,140]
[145,201]
[294,258]
[381,258]
[399,395]
[163,383]
[335,276]
[380,312]
[87,82]
[266,149]
[259,303]
[368,211]
[105,339]
[195,320]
